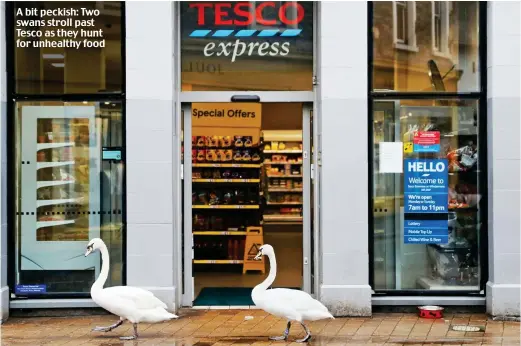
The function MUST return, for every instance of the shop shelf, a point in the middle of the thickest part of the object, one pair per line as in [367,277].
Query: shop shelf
[284,203]
[45,202]
[282,218]
[41,184]
[42,224]
[218,262]
[286,151]
[284,176]
[219,233]
[225,206]
[225,180]
[227,165]
[282,163]
[43,146]
[41,165]
[283,190]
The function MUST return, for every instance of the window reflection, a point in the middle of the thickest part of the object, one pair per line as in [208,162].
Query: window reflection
[42,69]
[426,46]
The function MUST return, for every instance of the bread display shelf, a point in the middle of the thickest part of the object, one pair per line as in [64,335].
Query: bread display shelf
[41,184]
[41,165]
[43,146]
[42,224]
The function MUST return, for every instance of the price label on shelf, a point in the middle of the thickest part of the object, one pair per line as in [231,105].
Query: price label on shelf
[211,262]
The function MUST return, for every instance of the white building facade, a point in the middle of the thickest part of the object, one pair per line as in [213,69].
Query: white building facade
[446,69]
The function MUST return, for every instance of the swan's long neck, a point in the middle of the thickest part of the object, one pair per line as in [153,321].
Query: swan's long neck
[105,264]
[271,276]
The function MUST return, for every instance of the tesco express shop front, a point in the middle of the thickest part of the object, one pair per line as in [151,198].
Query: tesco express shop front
[247,124]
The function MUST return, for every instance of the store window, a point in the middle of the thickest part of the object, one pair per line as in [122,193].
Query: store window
[428,184]
[426,46]
[53,61]
[67,158]
[256,45]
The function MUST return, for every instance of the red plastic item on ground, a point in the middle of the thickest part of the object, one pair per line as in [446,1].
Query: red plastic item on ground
[430,312]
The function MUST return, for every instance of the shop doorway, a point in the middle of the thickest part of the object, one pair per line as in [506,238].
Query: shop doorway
[246,182]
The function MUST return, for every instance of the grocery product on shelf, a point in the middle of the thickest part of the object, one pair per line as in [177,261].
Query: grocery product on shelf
[225,196]
[282,171]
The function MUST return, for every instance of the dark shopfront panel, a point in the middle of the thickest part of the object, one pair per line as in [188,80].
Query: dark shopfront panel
[428,233]
[256,45]
[66,165]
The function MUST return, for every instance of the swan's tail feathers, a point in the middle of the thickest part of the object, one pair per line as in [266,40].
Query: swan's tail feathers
[172,316]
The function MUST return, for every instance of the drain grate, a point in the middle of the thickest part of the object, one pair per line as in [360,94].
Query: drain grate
[468,328]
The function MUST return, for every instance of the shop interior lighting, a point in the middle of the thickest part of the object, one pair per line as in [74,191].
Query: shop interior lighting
[58,64]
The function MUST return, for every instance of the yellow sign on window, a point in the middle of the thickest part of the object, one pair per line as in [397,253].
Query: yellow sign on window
[408,147]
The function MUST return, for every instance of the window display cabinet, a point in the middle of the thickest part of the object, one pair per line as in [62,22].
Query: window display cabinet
[60,201]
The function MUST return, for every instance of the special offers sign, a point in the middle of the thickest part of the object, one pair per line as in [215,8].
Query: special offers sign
[226,115]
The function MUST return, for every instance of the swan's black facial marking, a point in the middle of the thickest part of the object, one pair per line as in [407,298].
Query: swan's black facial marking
[90,247]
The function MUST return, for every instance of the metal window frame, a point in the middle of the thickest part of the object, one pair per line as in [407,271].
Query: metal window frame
[12,98]
[481,97]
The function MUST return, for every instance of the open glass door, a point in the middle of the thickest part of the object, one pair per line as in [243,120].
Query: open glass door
[247,182]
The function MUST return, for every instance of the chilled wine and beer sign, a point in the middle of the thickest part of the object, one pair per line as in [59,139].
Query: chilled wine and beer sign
[229,28]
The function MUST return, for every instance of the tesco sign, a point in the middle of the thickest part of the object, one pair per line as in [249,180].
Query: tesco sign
[247,13]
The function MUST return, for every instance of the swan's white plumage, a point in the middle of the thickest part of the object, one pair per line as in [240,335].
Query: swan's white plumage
[129,303]
[281,301]
[293,305]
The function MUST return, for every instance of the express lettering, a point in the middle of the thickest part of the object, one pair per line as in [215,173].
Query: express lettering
[246,13]
[238,48]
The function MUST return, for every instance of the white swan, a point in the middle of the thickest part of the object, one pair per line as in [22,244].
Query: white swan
[293,305]
[129,303]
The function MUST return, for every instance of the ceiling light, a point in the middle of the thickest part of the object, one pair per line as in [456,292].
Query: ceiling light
[58,64]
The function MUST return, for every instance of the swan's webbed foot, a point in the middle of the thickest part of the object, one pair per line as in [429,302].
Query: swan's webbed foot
[109,328]
[304,339]
[133,337]
[308,334]
[284,336]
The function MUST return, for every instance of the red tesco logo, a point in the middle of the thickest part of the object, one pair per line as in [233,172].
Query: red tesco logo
[247,13]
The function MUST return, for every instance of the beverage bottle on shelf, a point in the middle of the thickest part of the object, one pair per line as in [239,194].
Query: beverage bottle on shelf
[230,249]
[236,249]
[241,248]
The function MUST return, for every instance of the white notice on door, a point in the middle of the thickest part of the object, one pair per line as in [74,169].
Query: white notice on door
[391,157]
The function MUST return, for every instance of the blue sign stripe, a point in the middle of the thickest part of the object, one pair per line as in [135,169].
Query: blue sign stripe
[222,33]
[200,33]
[267,33]
[291,32]
[245,33]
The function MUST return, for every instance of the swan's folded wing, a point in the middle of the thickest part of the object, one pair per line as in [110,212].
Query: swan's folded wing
[300,299]
[142,298]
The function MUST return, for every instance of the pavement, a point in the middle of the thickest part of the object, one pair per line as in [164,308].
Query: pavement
[252,327]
